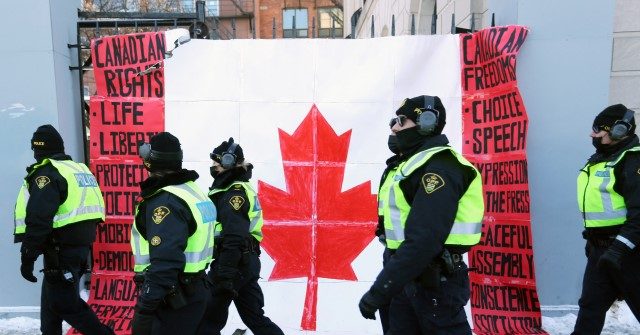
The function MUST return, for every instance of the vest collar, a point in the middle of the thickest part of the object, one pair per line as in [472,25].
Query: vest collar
[152,184]
[44,161]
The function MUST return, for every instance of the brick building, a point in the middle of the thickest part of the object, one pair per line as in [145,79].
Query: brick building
[277,19]
[299,18]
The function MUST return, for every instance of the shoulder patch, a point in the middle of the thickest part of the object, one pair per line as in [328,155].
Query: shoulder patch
[432,182]
[42,181]
[236,201]
[160,213]
[155,241]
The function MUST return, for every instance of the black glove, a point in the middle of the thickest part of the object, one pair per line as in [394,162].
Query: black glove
[26,267]
[224,288]
[370,303]
[380,232]
[142,323]
[612,258]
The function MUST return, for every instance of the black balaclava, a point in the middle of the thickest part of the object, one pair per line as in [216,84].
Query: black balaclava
[218,151]
[392,143]
[46,142]
[411,139]
[605,121]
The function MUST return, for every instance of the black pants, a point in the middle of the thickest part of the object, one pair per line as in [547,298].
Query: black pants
[249,303]
[601,288]
[60,299]
[417,311]
[184,320]
[384,310]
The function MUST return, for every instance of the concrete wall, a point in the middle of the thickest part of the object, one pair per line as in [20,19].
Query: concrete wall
[625,66]
[564,79]
[37,88]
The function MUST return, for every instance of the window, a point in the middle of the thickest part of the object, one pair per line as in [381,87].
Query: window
[213,8]
[188,6]
[330,18]
[295,23]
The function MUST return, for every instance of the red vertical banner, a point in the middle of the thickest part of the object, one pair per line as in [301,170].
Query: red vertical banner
[128,108]
[504,299]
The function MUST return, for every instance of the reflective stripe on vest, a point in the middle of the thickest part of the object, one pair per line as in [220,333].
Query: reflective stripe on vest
[467,226]
[599,203]
[199,250]
[384,188]
[255,210]
[84,198]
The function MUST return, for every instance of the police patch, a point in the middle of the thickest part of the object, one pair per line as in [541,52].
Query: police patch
[42,181]
[156,240]
[236,202]
[160,213]
[432,182]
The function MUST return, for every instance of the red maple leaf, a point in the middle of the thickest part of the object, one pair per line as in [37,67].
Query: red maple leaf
[313,229]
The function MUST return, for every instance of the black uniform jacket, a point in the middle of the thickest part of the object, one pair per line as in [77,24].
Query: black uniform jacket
[233,215]
[44,201]
[627,173]
[430,219]
[166,222]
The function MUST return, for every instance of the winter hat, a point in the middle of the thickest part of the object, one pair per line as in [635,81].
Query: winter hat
[47,141]
[166,153]
[413,107]
[217,153]
[608,117]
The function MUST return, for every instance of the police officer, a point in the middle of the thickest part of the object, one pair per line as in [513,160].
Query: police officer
[432,211]
[172,242]
[609,201]
[56,213]
[235,271]
[386,180]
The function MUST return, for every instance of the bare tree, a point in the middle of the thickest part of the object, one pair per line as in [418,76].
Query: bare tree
[146,6]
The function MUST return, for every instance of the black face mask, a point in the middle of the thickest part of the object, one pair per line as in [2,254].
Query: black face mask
[608,149]
[409,139]
[213,172]
[597,143]
[392,143]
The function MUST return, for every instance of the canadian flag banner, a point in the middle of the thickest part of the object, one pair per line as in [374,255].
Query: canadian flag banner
[312,116]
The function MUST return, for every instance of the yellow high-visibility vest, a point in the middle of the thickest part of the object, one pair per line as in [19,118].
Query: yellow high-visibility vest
[255,211]
[199,251]
[599,203]
[467,227]
[84,198]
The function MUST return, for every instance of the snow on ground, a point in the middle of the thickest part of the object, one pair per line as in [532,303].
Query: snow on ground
[620,321]
[20,326]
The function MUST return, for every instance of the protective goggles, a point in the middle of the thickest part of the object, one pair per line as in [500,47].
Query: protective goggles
[400,119]
[597,129]
[215,157]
